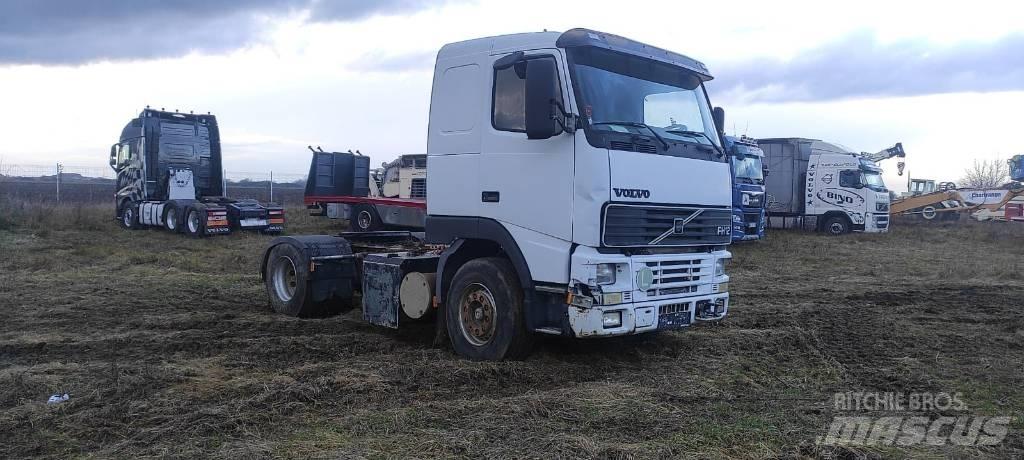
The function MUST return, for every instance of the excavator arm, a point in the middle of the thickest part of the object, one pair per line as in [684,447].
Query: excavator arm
[894,151]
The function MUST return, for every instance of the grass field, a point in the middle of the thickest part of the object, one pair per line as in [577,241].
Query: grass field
[168,348]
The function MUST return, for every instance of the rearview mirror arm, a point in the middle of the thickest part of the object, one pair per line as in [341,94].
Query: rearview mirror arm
[567,121]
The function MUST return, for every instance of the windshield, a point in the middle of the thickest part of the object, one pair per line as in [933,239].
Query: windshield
[618,90]
[748,168]
[873,181]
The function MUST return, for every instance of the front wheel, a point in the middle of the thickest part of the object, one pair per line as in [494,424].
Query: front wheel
[484,312]
[836,226]
[129,216]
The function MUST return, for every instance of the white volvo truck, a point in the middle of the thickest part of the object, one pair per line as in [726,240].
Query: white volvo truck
[578,187]
[824,186]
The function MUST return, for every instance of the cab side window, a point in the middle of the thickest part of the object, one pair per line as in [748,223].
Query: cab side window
[508,108]
[124,153]
[849,178]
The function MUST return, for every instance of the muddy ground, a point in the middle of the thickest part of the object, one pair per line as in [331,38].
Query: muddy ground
[168,349]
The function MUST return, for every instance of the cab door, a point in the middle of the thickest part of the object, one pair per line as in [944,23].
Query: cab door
[527,185]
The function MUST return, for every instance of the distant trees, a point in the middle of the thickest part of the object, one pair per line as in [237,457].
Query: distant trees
[986,174]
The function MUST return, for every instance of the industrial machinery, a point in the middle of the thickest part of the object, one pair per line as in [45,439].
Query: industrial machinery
[340,185]
[169,175]
[550,210]
[826,187]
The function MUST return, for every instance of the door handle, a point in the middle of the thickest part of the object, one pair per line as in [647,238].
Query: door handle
[490,196]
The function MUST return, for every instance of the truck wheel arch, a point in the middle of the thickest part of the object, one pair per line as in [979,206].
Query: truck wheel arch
[473,237]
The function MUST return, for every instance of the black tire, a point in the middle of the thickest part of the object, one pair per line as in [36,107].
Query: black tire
[836,225]
[129,216]
[194,222]
[172,218]
[365,219]
[287,284]
[484,312]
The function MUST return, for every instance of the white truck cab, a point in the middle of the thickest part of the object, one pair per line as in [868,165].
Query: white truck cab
[837,190]
[577,187]
[595,163]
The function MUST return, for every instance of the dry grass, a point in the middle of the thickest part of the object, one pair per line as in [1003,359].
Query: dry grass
[168,349]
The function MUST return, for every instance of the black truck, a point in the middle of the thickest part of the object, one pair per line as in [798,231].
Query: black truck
[169,175]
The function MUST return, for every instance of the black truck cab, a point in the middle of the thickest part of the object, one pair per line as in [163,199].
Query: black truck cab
[170,174]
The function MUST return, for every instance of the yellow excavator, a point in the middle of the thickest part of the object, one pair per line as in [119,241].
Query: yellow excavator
[944,201]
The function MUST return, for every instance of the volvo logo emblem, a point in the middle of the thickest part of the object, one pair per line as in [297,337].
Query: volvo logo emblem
[678,227]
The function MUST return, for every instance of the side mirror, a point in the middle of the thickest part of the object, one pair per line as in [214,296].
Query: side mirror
[113,156]
[718,114]
[765,171]
[541,87]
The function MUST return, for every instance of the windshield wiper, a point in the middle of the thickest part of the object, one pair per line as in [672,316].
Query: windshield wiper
[636,124]
[694,134]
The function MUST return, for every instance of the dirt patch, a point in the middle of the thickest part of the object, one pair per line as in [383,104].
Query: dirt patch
[167,348]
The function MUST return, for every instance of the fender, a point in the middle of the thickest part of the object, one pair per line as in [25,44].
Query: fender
[456,230]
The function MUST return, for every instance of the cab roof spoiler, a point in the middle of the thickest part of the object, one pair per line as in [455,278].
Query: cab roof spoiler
[586,37]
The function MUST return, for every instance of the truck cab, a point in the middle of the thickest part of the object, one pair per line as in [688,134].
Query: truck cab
[170,175]
[595,164]
[748,196]
[840,183]
[578,186]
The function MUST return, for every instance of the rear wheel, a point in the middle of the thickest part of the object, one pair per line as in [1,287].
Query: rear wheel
[129,215]
[171,218]
[836,226]
[287,284]
[485,312]
[365,218]
[195,222]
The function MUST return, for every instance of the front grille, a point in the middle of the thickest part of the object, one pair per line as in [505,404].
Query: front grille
[752,218]
[674,277]
[632,147]
[637,225]
[668,309]
[418,188]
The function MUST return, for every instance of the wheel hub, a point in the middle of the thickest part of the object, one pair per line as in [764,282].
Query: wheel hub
[477,314]
[284,278]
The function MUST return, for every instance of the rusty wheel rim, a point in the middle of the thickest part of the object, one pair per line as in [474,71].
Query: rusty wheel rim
[477,314]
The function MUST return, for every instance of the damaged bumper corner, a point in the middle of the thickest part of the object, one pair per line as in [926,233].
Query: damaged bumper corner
[636,318]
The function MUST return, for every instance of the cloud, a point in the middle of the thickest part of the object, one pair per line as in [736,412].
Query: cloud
[354,10]
[72,32]
[858,66]
[405,62]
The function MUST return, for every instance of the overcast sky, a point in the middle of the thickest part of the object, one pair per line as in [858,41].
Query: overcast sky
[947,81]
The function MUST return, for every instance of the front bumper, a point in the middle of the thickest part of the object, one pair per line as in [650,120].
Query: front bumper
[876,223]
[648,292]
[637,318]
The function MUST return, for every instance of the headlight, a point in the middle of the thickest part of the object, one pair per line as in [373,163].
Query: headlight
[605,274]
[882,207]
[720,266]
[612,319]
